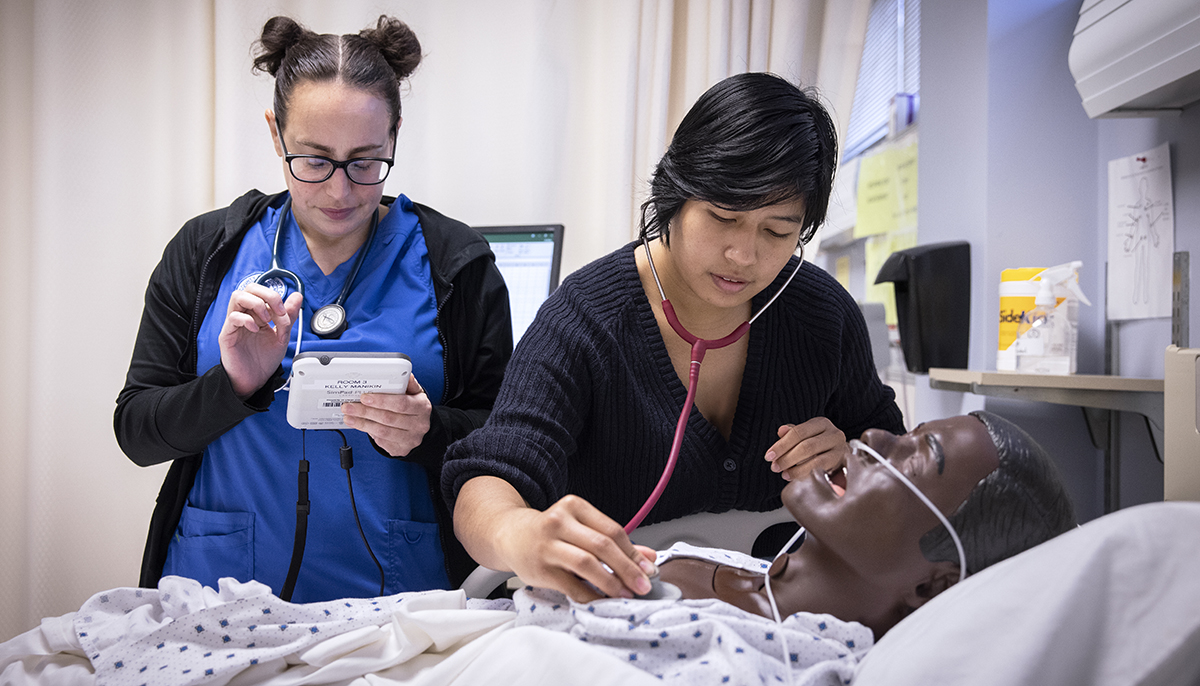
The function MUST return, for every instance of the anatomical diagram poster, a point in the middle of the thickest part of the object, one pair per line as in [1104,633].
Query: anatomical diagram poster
[1141,235]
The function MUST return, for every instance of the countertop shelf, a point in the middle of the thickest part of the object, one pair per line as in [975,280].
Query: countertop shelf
[1121,393]
[1091,382]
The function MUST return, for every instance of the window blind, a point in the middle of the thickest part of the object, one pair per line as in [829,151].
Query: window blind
[890,64]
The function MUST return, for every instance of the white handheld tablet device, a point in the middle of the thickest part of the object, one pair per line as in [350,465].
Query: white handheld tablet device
[322,381]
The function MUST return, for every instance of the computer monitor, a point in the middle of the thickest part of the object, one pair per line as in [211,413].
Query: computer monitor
[528,258]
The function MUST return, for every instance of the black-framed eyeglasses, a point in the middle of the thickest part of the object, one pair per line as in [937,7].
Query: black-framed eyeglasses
[365,171]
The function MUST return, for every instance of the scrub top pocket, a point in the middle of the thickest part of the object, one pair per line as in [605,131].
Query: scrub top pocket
[414,561]
[210,545]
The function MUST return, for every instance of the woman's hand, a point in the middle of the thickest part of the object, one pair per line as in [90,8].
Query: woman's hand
[255,335]
[802,448]
[566,548]
[397,422]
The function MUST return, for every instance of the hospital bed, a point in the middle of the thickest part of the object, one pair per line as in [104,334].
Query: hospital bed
[1116,601]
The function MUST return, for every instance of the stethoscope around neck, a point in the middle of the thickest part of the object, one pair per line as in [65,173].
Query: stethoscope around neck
[330,320]
[699,347]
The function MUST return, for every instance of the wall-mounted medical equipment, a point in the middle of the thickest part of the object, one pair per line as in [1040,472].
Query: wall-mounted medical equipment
[933,303]
[1134,58]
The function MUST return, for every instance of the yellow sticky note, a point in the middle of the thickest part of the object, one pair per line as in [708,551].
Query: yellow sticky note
[841,271]
[878,249]
[887,189]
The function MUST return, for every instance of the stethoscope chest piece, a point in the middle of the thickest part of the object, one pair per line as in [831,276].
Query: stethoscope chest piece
[662,590]
[329,321]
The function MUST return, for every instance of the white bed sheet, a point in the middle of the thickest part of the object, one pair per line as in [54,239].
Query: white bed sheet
[1114,602]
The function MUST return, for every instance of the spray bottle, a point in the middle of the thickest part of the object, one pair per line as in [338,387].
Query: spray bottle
[1047,334]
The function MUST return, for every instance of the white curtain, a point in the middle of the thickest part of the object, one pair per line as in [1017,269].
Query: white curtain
[119,120]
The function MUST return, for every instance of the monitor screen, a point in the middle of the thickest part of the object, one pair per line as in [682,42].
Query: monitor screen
[528,258]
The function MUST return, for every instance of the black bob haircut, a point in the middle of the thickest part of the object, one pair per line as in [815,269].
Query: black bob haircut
[1019,505]
[750,141]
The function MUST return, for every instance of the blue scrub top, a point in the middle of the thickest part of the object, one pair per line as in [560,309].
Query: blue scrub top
[240,517]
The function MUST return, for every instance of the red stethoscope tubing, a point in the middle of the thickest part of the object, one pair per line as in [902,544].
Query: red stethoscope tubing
[699,347]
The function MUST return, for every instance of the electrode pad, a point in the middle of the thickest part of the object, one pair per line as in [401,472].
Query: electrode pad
[322,381]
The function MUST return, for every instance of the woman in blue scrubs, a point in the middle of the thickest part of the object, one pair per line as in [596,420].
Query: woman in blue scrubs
[215,346]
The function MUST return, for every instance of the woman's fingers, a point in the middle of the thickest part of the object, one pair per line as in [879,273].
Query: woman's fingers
[801,448]
[576,549]
[244,307]
[243,320]
[596,542]
[824,460]
[397,422]
[284,318]
[263,308]
[255,335]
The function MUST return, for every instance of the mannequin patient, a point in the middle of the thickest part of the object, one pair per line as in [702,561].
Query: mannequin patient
[873,551]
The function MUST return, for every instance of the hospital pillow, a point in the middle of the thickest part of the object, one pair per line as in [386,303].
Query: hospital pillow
[1116,601]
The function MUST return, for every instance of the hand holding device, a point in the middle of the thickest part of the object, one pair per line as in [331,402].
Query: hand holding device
[324,381]
[255,335]
[801,448]
[396,422]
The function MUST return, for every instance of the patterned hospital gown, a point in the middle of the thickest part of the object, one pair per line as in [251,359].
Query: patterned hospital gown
[705,641]
[183,633]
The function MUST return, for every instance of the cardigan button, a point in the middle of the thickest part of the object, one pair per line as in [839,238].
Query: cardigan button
[730,464]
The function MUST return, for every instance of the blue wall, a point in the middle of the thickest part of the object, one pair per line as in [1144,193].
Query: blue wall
[1010,162]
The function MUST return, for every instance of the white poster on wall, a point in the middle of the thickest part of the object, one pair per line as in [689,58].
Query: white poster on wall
[1141,235]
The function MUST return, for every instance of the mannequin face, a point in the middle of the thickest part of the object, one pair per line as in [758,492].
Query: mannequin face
[862,560]
[877,522]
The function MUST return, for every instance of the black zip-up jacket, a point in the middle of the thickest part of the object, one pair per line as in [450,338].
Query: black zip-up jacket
[166,412]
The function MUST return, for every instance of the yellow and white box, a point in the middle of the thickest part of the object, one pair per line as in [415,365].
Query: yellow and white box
[1018,294]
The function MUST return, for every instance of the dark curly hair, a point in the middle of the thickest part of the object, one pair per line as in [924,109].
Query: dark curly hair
[375,59]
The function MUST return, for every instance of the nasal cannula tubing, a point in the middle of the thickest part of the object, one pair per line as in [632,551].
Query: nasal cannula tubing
[962,558]
[855,445]
[699,347]
[787,658]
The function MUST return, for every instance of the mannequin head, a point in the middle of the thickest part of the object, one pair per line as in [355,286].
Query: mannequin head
[874,552]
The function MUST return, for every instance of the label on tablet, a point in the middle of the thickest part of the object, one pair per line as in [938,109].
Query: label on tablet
[322,382]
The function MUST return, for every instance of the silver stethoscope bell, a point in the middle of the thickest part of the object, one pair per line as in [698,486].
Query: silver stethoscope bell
[662,590]
[329,321]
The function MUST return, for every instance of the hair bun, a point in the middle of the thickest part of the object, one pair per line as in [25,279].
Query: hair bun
[397,43]
[278,35]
